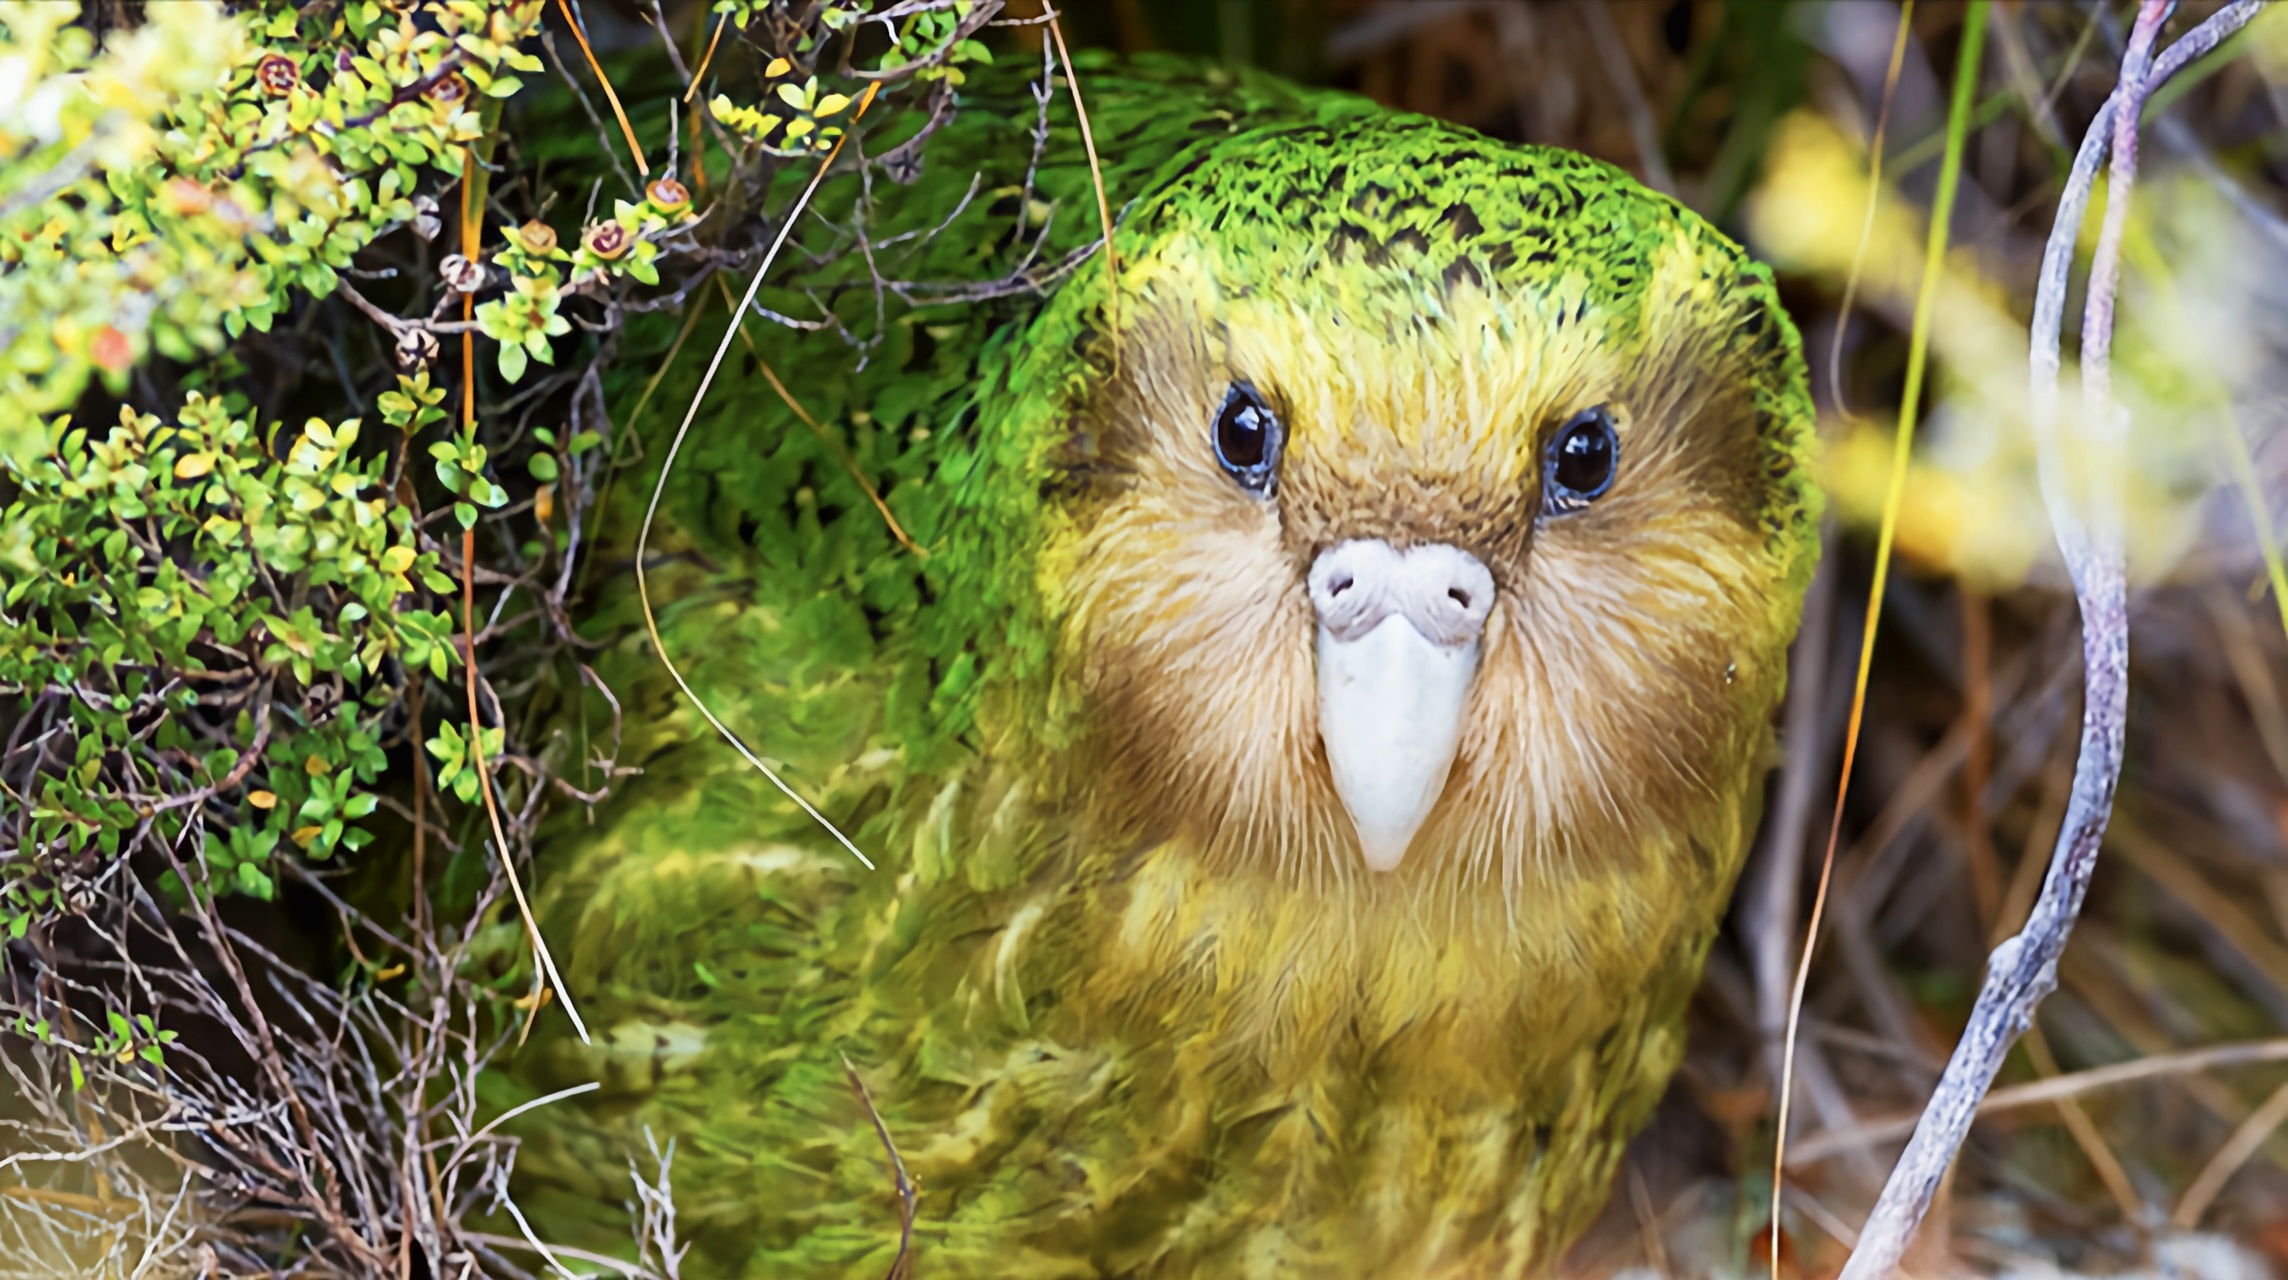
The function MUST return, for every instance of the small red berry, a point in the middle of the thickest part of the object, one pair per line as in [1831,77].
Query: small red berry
[111,350]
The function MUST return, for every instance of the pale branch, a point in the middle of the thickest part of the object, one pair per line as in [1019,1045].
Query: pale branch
[2023,969]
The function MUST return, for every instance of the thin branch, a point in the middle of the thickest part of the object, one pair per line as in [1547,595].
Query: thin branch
[841,451]
[2230,1157]
[2023,969]
[1643,132]
[667,466]
[2058,1088]
[908,1194]
[1096,180]
[1852,280]
[610,95]
[587,108]
[472,210]
[706,58]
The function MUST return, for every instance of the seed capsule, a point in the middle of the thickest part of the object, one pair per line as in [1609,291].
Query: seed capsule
[607,240]
[277,74]
[669,195]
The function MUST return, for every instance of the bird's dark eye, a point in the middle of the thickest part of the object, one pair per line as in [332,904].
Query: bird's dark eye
[1582,458]
[1247,438]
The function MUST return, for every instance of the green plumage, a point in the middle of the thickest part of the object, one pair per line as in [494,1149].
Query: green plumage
[1085,1083]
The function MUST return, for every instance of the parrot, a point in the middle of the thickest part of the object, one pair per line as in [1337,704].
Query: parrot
[1301,678]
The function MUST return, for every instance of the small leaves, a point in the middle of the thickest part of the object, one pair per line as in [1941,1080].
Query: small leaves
[195,175]
[211,623]
[460,466]
[220,525]
[933,43]
[523,321]
[456,771]
[413,405]
[797,124]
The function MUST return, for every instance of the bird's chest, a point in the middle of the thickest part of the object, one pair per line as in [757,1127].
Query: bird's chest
[1197,1068]
[1296,1077]
[1244,987]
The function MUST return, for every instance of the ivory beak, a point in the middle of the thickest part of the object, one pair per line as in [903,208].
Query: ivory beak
[1397,649]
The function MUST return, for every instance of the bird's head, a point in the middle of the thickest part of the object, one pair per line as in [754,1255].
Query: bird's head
[1418,505]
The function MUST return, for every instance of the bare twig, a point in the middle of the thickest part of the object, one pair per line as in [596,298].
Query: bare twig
[2058,1088]
[840,450]
[2230,1157]
[1777,882]
[1874,203]
[2085,1133]
[706,58]
[2023,969]
[580,95]
[1643,132]
[246,762]
[473,179]
[909,1195]
[610,94]
[667,465]
[655,1209]
[1096,179]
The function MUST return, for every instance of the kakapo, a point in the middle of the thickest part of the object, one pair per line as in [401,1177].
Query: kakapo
[1307,746]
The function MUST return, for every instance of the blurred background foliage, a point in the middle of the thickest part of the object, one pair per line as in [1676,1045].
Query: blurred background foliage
[188,262]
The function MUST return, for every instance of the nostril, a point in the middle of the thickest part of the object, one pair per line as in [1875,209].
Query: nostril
[1458,596]
[1338,586]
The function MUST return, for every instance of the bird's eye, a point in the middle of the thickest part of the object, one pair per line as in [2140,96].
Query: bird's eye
[1247,438]
[1582,458]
